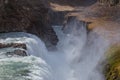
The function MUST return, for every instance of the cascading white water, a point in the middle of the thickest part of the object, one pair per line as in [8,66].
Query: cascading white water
[24,68]
[77,57]
[83,51]
[34,45]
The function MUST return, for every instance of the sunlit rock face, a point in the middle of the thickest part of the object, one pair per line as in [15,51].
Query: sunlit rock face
[27,16]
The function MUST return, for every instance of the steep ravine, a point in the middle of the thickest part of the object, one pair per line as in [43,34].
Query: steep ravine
[104,17]
[84,39]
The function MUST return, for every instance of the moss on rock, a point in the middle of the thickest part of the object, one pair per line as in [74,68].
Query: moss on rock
[112,66]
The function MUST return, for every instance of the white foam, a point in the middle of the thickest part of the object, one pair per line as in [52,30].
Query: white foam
[77,57]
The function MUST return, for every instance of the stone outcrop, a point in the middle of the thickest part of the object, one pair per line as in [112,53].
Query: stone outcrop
[17,52]
[19,49]
[30,16]
[14,45]
[57,17]
[110,2]
[103,15]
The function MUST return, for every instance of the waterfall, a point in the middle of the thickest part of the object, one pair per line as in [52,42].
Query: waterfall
[31,67]
[84,51]
[77,57]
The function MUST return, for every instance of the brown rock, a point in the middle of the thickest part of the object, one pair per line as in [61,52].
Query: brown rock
[17,52]
[14,45]
[30,16]
[20,53]
[20,49]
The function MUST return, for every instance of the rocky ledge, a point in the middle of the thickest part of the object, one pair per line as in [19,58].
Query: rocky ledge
[14,45]
[30,16]
[13,49]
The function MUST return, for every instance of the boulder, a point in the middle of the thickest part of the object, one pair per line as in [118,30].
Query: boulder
[14,45]
[17,52]
[19,49]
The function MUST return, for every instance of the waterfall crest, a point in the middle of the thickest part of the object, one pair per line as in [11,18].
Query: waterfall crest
[77,56]
[31,67]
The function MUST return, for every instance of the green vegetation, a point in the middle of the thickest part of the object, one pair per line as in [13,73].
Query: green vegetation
[112,67]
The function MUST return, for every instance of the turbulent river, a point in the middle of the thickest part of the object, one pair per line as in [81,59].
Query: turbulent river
[77,57]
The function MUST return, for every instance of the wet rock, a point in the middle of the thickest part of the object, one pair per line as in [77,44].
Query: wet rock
[14,45]
[20,53]
[58,17]
[19,49]
[19,45]
[30,16]
[17,52]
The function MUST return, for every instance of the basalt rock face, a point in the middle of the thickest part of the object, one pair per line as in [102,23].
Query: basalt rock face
[30,16]
[14,45]
[57,17]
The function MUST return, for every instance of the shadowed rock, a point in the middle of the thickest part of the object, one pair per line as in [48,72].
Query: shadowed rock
[17,52]
[19,49]
[14,45]
[30,16]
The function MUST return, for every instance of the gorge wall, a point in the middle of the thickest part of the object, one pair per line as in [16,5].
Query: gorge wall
[27,16]
[35,16]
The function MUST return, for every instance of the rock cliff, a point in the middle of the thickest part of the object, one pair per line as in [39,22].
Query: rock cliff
[30,16]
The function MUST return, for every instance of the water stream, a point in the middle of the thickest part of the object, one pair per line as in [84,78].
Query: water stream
[77,57]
